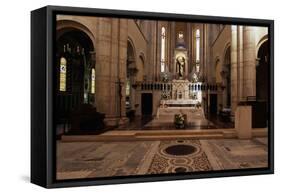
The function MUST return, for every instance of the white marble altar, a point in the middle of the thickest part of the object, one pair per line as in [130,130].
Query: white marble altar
[181,95]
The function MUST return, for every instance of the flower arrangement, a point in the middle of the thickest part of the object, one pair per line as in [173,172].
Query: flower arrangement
[179,121]
[164,95]
[198,105]
[165,76]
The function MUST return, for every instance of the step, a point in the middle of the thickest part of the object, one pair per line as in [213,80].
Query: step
[260,132]
[90,138]
[182,132]
[154,135]
[173,137]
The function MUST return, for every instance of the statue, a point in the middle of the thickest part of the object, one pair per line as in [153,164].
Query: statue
[180,65]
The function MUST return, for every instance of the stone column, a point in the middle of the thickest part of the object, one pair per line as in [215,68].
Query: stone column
[104,100]
[168,46]
[233,68]
[111,68]
[204,50]
[249,60]
[240,64]
[158,49]
[122,66]
[149,61]
[171,51]
[132,95]
[154,61]
[155,49]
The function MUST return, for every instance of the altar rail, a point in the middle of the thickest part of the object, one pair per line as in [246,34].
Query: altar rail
[168,86]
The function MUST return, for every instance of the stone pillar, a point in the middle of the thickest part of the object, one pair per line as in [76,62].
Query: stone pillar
[138,100]
[233,68]
[158,49]
[132,97]
[149,62]
[204,50]
[221,98]
[104,84]
[154,41]
[240,64]
[111,68]
[243,122]
[122,67]
[168,46]
[249,60]
[173,45]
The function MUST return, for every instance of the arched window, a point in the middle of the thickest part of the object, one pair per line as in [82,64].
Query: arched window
[197,47]
[93,81]
[163,45]
[128,87]
[62,83]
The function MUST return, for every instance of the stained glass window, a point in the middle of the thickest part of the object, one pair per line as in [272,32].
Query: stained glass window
[197,36]
[93,81]
[63,64]
[163,42]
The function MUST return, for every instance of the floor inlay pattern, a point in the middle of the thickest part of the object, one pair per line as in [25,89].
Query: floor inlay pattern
[107,159]
[188,156]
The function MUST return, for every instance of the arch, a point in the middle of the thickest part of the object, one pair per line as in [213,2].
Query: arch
[142,65]
[217,69]
[226,47]
[142,58]
[217,59]
[260,43]
[64,26]
[131,52]
[131,71]
[131,43]
[77,47]
[226,79]
[262,72]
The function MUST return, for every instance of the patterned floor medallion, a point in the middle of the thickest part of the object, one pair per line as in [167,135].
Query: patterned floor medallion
[179,157]
[108,159]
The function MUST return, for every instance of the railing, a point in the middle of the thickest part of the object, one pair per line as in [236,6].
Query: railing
[155,86]
[168,86]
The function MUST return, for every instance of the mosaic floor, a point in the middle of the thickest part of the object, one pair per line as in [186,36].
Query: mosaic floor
[102,159]
[179,156]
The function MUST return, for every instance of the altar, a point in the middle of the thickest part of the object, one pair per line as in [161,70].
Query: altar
[179,103]
[181,95]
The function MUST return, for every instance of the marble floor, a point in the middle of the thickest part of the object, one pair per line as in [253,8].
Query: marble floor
[103,159]
[150,123]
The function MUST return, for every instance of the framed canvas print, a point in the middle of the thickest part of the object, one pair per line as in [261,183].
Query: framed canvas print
[125,96]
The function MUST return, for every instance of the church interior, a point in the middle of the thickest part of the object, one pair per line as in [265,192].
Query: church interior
[136,96]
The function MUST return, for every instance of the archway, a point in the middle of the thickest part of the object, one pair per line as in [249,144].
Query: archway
[141,66]
[226,76]
[131,74]
[75,76]
[262,72]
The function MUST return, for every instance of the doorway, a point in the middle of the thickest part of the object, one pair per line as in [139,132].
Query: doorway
[262,73]
[146,104]
[213,104]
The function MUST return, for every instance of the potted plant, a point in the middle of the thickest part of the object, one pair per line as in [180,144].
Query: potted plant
[198,105]
[179,121]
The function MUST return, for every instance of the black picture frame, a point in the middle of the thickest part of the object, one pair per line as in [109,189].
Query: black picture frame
[42,95]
